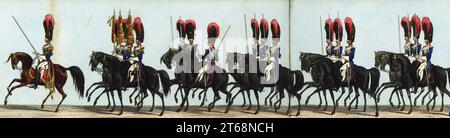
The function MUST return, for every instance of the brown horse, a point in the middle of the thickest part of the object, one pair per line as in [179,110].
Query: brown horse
[26,77]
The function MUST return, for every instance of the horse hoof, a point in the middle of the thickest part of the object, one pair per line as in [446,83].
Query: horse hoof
[410,111]
[243,105]
[57,110]
[178,110]
[131,101]
[120,113]
[332,113]
[377,114]
[5,103]
[256,112]
[402,109]
[186,109]
[42,107]
[176,100]
[151,110]
[298,113]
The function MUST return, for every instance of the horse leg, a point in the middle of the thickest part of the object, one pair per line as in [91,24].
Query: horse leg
[434,97]
[245,100]
[424,96]
[274,94]
[14,80]
[357,99]
[334,103]
[176,94]
[249,99]
[354,99]
[417,97]
[98,97]
[365,101]
[310,95]
[403,100]
[339,98]
[153,101]
[348,96]
[281,98]
[257,101]
[161,95]
[325,98]
[119,92]
[43,102]
[216,98]
[12,89]
[114,101]
[92,92]
[390,99]
[289,104]
[204,97]
[320,100]
[408,92]
[267,97]
[442,101]
[400,96]
[131,95]
[64,95]
[184,100]
[298,96]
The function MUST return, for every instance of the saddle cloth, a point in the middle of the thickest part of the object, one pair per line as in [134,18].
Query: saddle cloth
[43,71]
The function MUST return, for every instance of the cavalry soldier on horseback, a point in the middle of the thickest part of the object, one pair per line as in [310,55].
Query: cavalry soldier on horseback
[274,51]
[181,28]
[210,56]
[415,24]
[427,50]
[47,49]
[191,48]
[127,25]
[263,49]
[348,69]
[329,30]
[120,36]
[406,25]
[255,29]
[338,31]
[138,50]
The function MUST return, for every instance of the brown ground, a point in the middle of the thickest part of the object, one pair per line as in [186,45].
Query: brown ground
[23,111]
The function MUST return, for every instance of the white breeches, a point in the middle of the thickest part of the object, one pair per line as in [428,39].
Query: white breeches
[421,70]
[344,71]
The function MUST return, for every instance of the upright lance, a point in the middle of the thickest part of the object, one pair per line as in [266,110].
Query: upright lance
[17,23]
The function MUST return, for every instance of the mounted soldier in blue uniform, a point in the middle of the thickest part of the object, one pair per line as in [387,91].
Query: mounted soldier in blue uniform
[427,50]
[47,52]
[348,69]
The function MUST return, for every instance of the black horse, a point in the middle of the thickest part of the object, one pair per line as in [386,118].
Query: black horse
[405,76]
[325,73]
[115,76]
[188,79]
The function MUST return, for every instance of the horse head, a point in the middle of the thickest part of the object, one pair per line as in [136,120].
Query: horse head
[382,58]
[17,57]
[167,57]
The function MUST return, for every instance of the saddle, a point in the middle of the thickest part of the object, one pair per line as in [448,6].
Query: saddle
[133,71]
[43,69]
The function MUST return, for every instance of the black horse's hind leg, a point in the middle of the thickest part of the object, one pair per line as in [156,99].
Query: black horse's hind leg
[403,100]
[289,104]
[390,99]
[257,101]
[424,96]
[119,92]
[114,102]
[325,98]
[433,98]
[204,97]
[270,100]
[365,101]
[183,100]
[442,101]
[411,108]
[153,101]
[249,99]
[216,98]
[98,97]
[334,103]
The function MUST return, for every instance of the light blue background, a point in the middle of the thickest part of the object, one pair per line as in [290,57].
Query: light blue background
[81,28]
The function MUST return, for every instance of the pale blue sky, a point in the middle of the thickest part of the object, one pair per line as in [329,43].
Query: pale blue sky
[81,27]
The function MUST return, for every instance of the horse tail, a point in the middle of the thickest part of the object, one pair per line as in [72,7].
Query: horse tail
[448,74]
[165,81]
[374,79]
[78,79]
[299,81]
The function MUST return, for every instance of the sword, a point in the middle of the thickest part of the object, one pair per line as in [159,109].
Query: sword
[17,23]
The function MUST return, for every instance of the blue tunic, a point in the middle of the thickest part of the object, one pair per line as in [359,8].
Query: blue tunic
[430,52]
